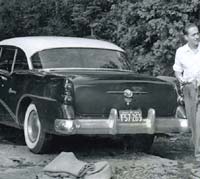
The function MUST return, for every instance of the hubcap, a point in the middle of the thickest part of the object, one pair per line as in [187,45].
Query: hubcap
[33,126]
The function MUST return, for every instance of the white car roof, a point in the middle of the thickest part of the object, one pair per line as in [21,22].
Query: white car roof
[33,44]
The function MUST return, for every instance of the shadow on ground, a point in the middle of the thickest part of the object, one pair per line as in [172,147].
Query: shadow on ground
[9,135]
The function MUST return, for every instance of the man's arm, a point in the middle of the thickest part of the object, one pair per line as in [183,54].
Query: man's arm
[178,67]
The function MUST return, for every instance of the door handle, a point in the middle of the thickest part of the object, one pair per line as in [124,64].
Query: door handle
[3,78]
[12,91]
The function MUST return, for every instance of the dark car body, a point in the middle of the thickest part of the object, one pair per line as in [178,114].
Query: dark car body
[68,86]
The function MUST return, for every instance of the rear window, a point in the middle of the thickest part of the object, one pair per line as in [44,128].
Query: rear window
[79,58]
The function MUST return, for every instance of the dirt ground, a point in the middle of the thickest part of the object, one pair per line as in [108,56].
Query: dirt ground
[171,157]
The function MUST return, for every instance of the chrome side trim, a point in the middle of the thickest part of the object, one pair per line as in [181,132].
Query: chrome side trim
[36,96]
[122,92]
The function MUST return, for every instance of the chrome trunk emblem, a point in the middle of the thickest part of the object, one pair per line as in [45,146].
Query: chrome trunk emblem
[128,94]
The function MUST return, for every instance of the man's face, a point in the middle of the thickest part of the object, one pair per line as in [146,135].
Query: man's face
[193,36]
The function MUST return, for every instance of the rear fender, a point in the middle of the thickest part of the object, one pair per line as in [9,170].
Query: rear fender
[48,110]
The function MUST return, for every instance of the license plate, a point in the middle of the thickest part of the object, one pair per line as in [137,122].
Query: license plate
[127,116]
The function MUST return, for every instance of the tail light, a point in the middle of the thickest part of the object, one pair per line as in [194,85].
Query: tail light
[68,93]
[68,99]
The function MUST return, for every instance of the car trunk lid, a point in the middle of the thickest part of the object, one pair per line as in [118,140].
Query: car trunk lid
[97,93]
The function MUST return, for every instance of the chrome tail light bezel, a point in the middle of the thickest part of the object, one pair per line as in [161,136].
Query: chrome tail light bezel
[68,94]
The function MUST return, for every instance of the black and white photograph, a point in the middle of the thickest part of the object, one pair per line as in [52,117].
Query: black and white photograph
[100,89]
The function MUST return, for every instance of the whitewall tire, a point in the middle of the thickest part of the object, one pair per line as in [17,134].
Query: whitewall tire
[35,137]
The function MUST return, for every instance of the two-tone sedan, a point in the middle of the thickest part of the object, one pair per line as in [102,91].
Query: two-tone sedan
[76,86]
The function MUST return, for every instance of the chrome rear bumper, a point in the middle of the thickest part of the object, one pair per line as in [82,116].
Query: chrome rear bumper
[112,125]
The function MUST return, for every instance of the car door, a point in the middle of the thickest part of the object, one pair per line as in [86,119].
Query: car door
[18,79]
[7,56]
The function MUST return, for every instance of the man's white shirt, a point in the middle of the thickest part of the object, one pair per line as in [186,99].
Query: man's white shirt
[187,62]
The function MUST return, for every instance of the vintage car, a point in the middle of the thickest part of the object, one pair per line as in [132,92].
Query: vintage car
[78,86]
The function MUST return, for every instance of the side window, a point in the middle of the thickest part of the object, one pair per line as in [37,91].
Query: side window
[6,59]
[21,61]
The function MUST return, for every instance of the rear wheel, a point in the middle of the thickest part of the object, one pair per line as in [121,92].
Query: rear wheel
[139,142]
[35,137]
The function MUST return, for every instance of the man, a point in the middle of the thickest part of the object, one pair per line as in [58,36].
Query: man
[187,71]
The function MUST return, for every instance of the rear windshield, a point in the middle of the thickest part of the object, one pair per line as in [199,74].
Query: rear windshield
[79,58]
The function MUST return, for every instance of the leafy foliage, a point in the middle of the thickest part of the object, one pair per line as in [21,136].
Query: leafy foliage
[149,30]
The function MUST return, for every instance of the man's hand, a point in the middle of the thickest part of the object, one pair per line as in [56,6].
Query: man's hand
[179,76]
[182,81]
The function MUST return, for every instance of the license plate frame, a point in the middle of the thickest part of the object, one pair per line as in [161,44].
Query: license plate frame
[131,116]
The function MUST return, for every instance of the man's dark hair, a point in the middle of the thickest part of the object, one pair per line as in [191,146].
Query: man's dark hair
[187,27]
